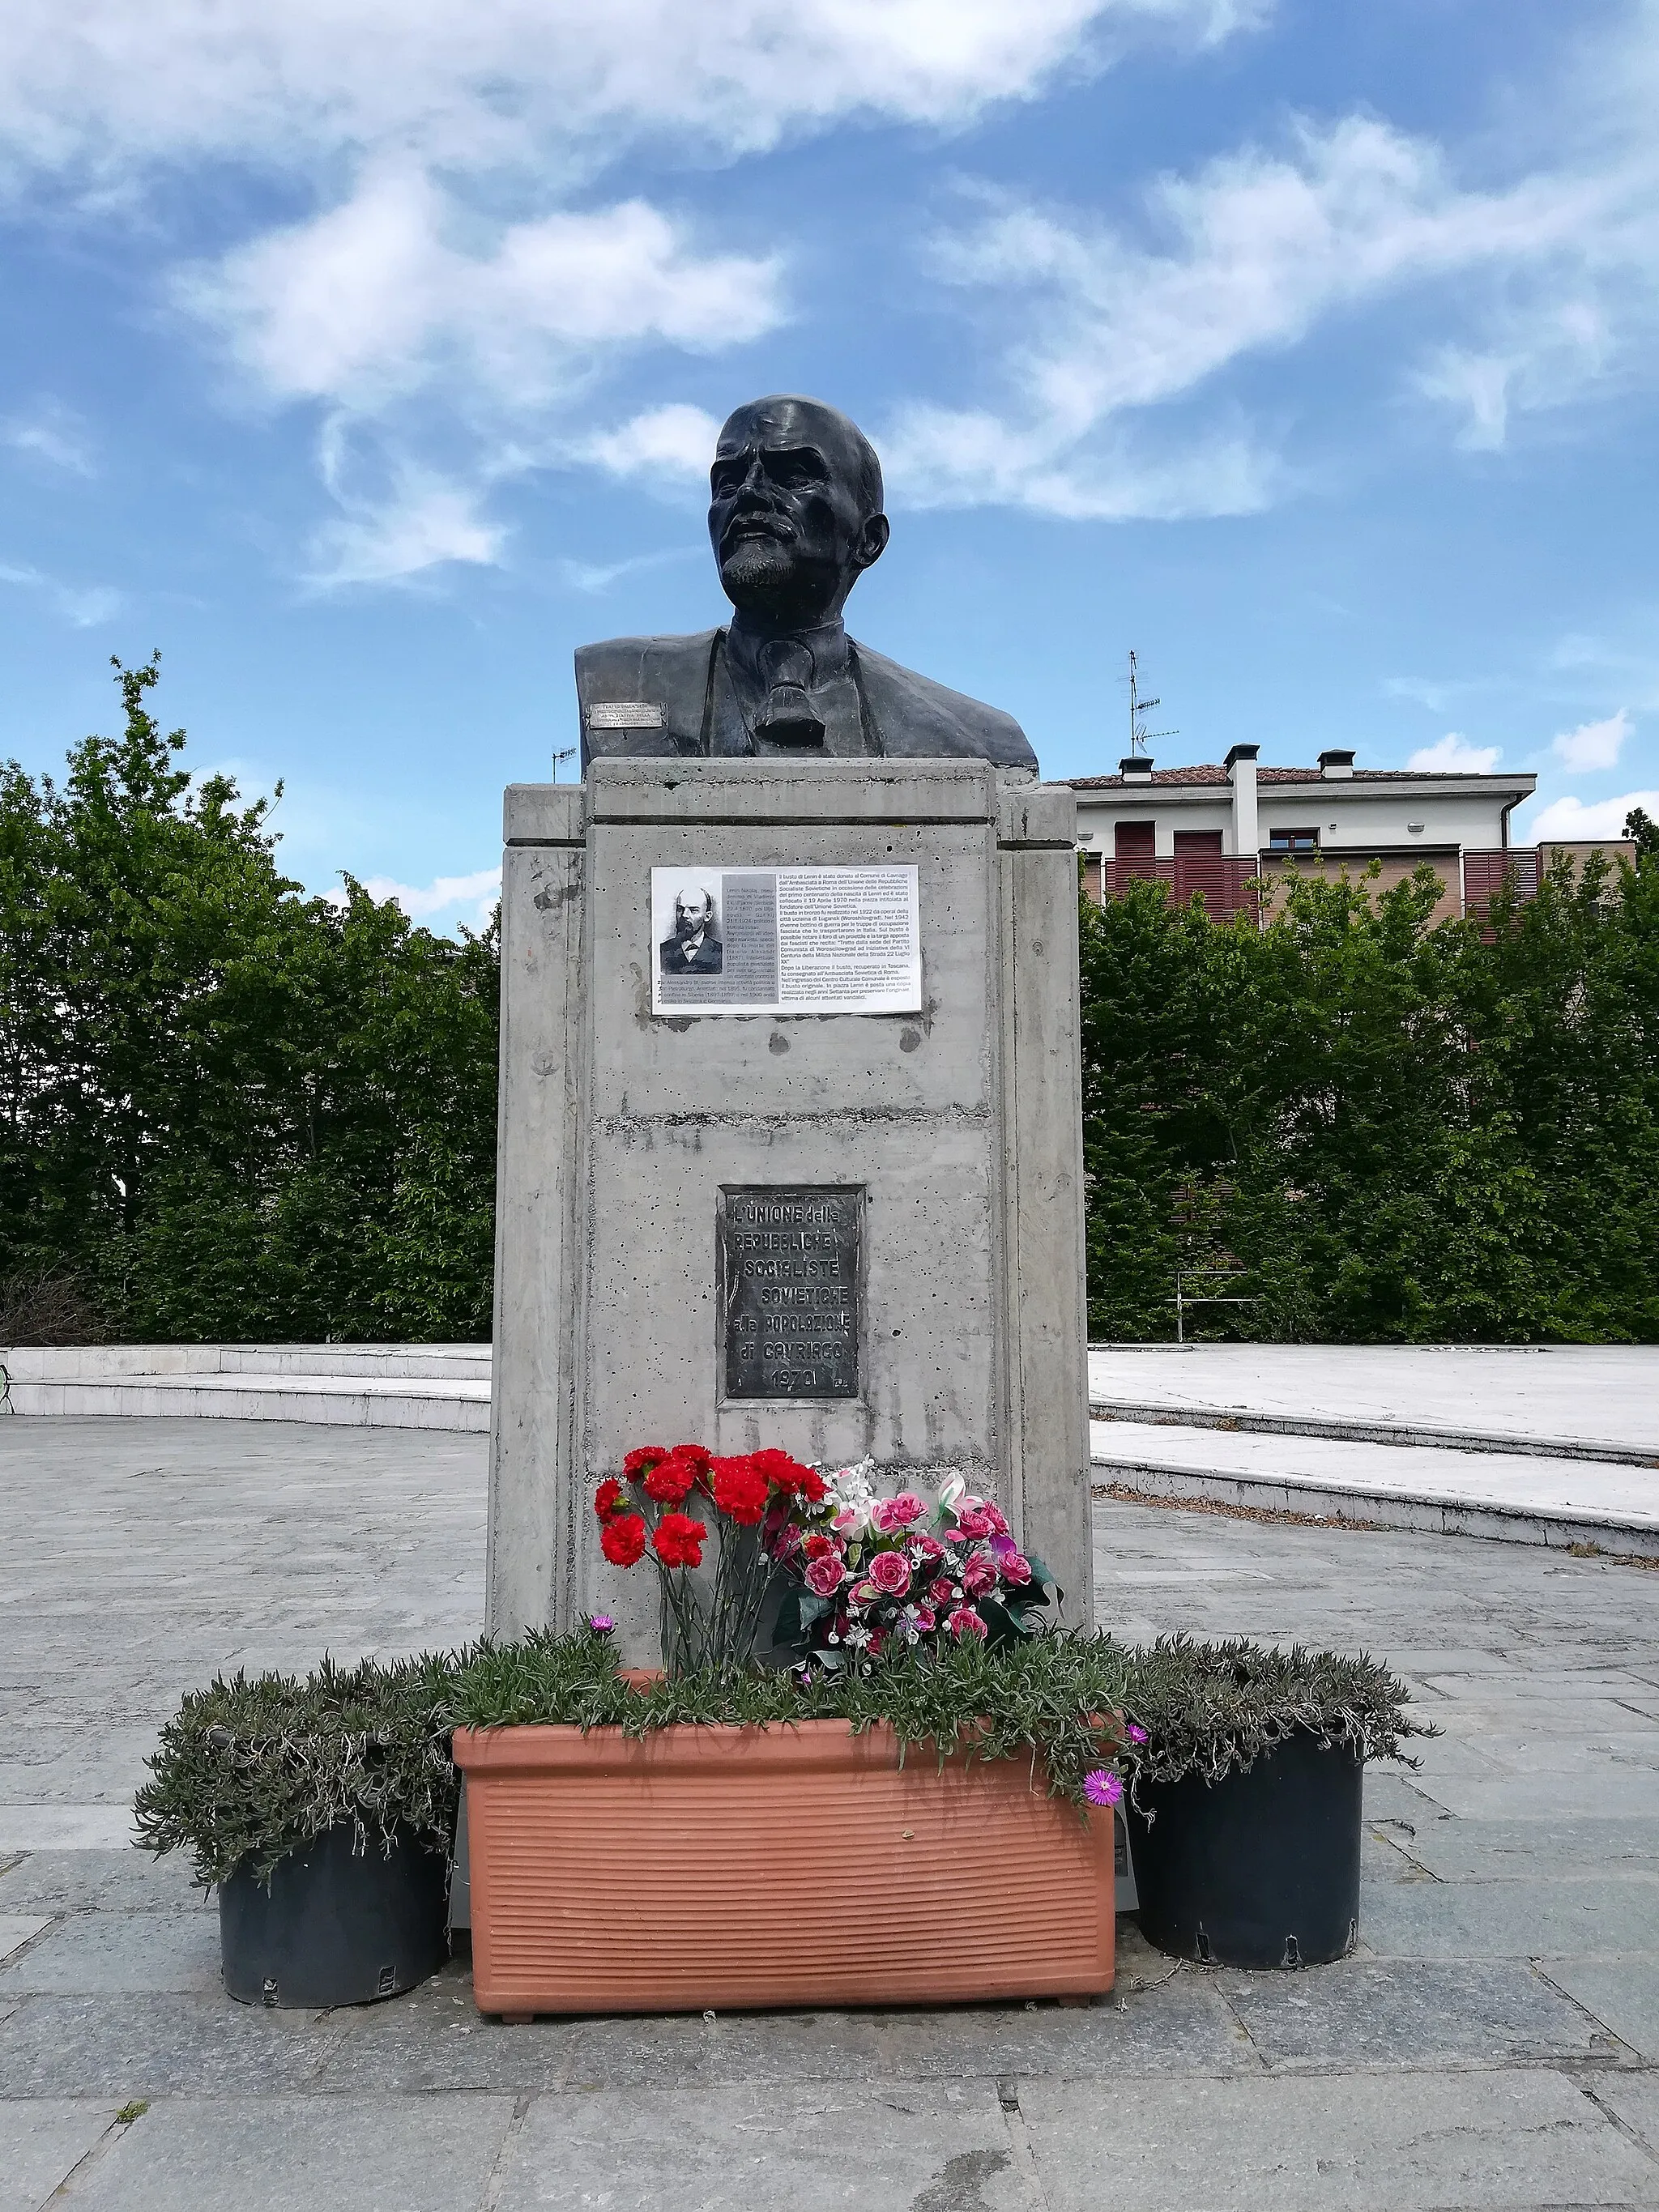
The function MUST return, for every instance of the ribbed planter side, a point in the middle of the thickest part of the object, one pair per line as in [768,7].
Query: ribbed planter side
[701,1866]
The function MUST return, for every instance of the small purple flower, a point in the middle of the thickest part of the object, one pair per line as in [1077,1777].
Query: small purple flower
[1100,1788]
[1137,1735]
[600,1623]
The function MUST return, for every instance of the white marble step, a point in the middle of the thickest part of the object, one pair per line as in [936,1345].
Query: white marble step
[357,1386]
[1560,1402]
[1521,1497]
[98,1362]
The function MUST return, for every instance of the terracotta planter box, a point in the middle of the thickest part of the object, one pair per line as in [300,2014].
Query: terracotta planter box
[700,1868]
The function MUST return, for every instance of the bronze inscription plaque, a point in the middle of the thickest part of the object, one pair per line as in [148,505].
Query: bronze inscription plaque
[789,1290]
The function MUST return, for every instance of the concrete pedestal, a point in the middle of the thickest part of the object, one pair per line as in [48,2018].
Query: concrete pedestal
[958,1126]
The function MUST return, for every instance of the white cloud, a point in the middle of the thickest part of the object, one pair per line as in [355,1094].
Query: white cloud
[423,524]
[444,895]
[98,88]
[933,457]
[597,576]
[410,318]
[677,438]
[437,136]
[1545,283]
[51,433]
[378,295]
[83,606]
[1593,745]
[1454,756]
[1568,820]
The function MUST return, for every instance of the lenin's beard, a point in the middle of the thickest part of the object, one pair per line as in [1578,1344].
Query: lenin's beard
[764,574]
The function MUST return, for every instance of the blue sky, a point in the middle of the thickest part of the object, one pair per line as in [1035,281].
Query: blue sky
[364,357]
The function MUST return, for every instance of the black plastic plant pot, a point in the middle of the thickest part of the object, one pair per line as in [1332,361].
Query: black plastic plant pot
[1259,1869]
[337,1926]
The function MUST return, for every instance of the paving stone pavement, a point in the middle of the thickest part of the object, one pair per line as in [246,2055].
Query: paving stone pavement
[1494,2043]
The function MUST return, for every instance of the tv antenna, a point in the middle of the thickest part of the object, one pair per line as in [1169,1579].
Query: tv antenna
[566,755]
[1139,736]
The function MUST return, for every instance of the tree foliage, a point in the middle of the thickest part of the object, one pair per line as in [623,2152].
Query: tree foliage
[1398,1129]
[228,1111]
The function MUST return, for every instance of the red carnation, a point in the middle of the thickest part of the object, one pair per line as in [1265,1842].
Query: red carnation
[788,1473]
[739,1489]
[610,1498]
[642,1459]
[622,1540]
[677,1540]
[695,1456]
[820,1546]
[671,1480]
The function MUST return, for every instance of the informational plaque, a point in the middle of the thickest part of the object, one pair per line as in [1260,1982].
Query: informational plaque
[789,1290]
[786,941]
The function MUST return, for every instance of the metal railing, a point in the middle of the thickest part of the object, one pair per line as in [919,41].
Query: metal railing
[1212,1274]
[1225,881]
[1228,882]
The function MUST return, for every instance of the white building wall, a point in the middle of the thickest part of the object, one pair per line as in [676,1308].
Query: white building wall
[1364,814]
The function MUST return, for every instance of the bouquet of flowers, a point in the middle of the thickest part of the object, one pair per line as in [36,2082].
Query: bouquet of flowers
[870,1572]
[656,1505]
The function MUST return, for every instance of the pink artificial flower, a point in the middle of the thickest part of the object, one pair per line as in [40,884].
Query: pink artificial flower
[847,1521]
[890,1573]
[825,1575]
[994,1514]
[942,1590]
[925,1618]
[1137,1735]
[974,1522]
[979,1575]
[964,1621]
[1100,1788]
[1016,1569]
[890,1514]
[925,1549]
[864,1593]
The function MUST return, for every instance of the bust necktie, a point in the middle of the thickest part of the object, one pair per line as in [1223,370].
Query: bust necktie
[787,717]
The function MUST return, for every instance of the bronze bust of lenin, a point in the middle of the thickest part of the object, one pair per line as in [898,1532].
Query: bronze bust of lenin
[795,517]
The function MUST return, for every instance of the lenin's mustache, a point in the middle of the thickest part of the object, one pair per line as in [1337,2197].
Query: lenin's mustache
[757,522]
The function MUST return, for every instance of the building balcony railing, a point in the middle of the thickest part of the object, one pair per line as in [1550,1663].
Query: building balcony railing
[1227,882]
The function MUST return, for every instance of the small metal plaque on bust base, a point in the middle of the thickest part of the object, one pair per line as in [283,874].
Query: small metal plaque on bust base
[789,1290]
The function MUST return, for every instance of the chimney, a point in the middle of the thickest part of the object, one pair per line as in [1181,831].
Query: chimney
[1137,768]
[1333,765]
[1241,773]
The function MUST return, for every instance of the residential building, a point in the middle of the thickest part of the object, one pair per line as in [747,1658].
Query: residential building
[1214,829]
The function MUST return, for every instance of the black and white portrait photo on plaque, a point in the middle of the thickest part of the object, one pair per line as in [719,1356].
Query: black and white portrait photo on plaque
[694,945]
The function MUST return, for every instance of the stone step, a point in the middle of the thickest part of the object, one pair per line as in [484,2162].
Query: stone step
[1372,1432]
[98,1362]
[352,1393]
[1552,1401]
[1517,1497]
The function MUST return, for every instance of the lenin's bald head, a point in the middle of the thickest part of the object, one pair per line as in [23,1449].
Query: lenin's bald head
[795,512]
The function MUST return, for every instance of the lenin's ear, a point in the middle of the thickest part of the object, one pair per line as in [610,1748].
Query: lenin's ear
[872,541]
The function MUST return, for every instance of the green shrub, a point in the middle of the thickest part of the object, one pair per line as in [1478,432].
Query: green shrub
[1395,1129]
[1214,1708]
[1207,1708]
[247,1771]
